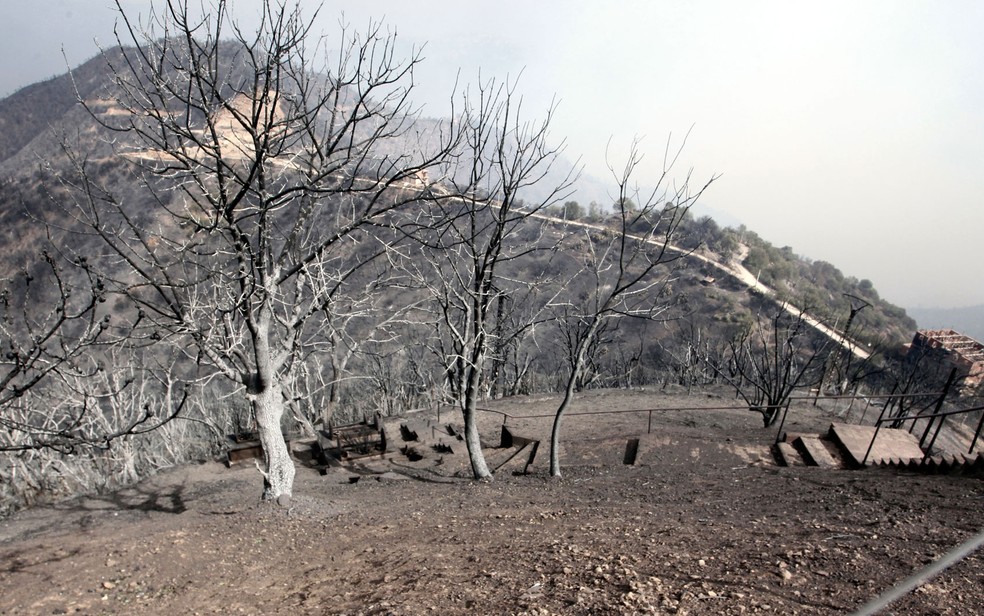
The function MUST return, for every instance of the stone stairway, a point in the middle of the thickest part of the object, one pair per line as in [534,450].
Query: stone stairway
[845,446]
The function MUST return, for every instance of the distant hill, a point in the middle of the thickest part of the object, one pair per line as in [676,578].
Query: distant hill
[36,110]
[968,321]
[43,113]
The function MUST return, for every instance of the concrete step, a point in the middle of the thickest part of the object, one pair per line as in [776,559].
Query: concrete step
[890,444]
[942,464]
[786,455]
[814,452]
[978,463]
[846,445]
[951,463]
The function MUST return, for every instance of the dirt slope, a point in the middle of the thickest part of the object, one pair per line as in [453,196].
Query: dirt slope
[702,524]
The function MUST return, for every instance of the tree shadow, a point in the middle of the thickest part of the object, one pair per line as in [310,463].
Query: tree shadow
[20,562]
[170,500]
[92,511]
[146,498]
[425,475]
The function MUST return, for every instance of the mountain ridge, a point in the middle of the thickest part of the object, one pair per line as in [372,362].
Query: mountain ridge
[50,109]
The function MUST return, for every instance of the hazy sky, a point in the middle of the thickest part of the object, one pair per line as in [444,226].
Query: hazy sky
[850,131]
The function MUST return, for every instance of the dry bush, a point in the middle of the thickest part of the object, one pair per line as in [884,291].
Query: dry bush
[35,476]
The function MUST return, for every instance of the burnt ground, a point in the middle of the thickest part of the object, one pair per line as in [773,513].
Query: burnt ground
[703,523]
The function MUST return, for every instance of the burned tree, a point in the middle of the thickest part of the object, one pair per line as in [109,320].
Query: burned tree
[769,360]
[628,272]
[467,243]
[53,340]
[263,159]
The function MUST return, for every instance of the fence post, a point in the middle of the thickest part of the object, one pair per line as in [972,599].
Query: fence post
[936,410]
[888,401]
[783,422]
[977,434]
[878,424]
[933,440]
[864,413]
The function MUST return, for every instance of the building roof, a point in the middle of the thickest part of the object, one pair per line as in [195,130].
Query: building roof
[955,342]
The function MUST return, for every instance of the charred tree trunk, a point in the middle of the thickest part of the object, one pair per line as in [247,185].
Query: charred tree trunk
[585,341]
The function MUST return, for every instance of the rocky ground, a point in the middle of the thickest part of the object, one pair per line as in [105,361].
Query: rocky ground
[703,523]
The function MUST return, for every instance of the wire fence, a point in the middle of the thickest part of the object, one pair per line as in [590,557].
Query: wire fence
[648,412]
[917,579]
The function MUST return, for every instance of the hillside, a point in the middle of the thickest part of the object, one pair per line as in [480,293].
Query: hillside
[374,346]
[47,113]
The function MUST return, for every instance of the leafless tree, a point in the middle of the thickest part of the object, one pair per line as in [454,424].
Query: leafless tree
[570,333]
[264,157]
[917,378]
[360,320]
[516,343]
[54,338]
[467,241]
[844,370]
[687,351]
[628,271]
[44,328]
[768,361]
[141,414]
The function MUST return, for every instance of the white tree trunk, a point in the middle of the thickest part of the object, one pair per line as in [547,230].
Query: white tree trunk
[268,407]
[555,431]
[480,469]
[577,367]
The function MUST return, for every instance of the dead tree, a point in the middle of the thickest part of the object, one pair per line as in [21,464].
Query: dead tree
[628,271]
[359,322]
[768,361]
[263,159]
[50,325]
[467,241]
[516,339]
[686,351]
